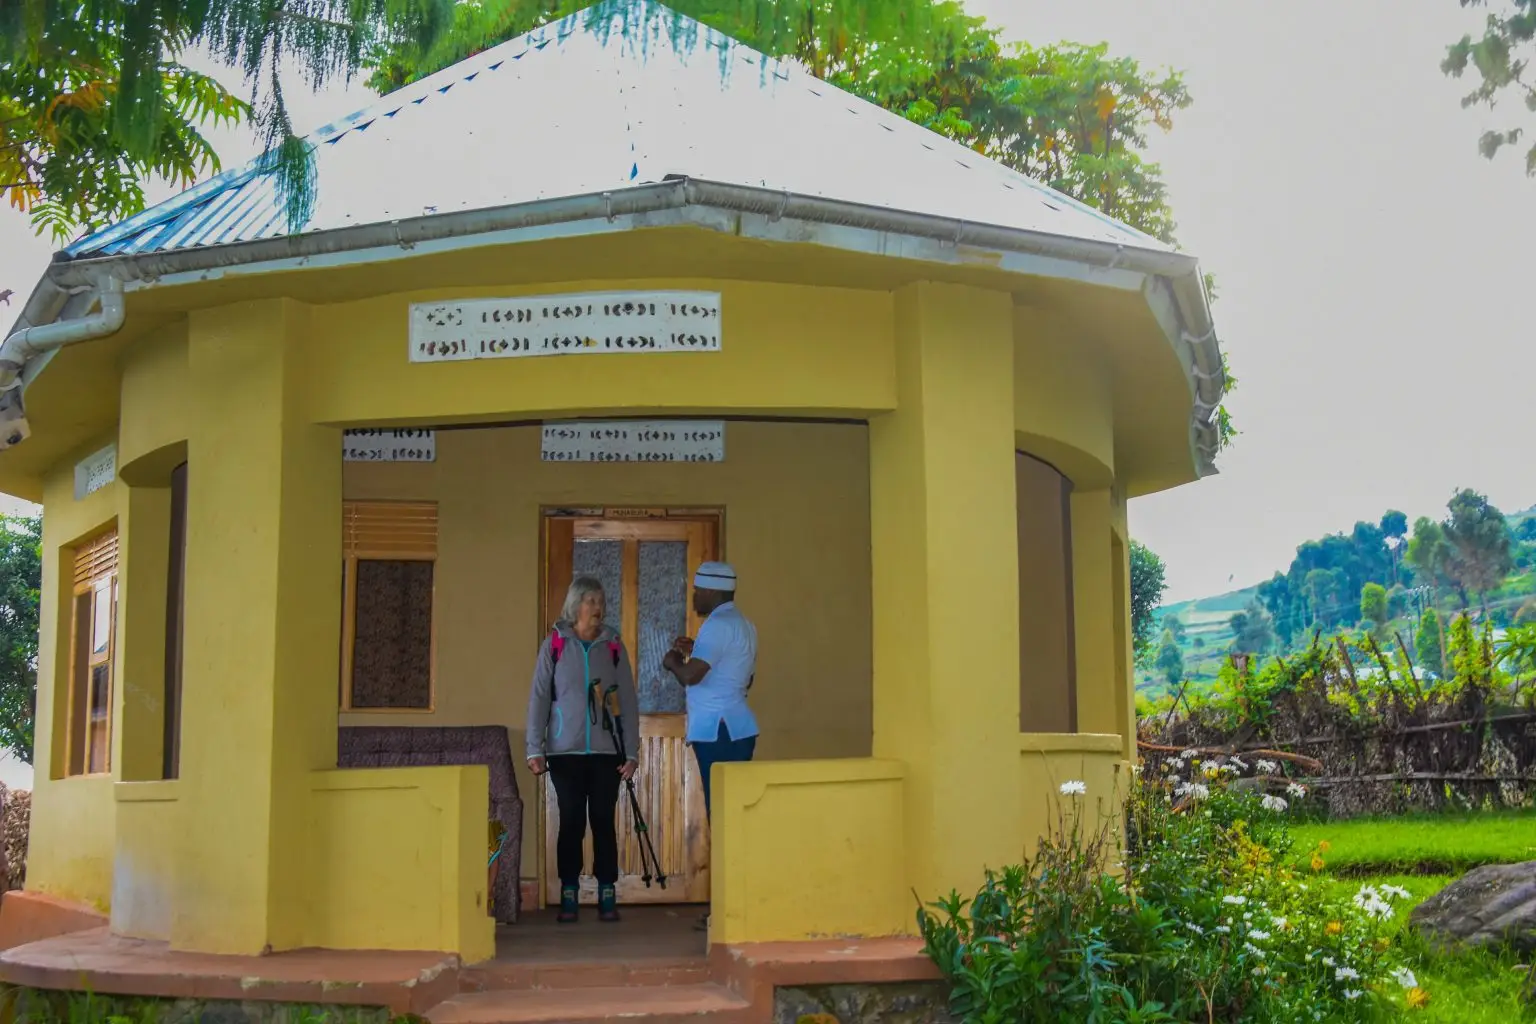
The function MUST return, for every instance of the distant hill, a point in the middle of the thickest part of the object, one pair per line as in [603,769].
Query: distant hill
[1206,620]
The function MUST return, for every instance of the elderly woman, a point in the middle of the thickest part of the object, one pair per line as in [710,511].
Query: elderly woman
[573,738]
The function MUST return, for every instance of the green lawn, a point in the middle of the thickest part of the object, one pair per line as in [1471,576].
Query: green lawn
[1427,844]
[1464,988]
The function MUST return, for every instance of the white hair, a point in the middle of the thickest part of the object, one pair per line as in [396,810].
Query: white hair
[581,586]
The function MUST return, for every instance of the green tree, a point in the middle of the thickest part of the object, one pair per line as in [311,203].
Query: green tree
[1429,643]
[21,579]
[1170,659]
[1253,630]
[1501,58]
[1394,524]
[1147,587]
[1429,554]
[94,99]
[1373,609]
[1479,540]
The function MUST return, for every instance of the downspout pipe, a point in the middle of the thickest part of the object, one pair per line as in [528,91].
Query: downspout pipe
[26,344]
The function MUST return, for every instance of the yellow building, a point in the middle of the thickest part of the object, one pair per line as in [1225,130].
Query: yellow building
[905,391]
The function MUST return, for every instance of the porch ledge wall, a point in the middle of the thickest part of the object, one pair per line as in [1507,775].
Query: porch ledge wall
[809,849]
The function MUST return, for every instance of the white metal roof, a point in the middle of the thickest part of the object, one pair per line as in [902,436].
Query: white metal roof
[604,100]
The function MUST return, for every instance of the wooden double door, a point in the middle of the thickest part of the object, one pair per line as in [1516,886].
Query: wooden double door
[646,562]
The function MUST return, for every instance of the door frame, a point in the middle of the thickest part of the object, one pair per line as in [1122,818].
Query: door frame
[549,602]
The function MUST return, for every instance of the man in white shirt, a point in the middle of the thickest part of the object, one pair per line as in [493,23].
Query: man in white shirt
[716,670]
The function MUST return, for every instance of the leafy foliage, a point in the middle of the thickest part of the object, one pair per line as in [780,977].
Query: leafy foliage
[21,580]
[1147,587]
[1501,58]
[1373,608]
[1253,630]
[1170,659]
[1208,921]
[1479,541]
[71,153]
[94,100]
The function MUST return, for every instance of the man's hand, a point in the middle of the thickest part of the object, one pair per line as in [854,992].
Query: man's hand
[538,765]
[683,645]
[627,769]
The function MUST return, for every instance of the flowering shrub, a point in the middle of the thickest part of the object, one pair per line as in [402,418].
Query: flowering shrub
[1205,920]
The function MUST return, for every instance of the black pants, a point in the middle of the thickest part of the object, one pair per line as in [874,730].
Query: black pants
[587,790]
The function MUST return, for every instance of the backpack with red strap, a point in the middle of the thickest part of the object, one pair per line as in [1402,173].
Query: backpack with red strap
[557,647]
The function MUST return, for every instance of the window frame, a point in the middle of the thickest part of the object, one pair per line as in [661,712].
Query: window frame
[385,531]
[95,565]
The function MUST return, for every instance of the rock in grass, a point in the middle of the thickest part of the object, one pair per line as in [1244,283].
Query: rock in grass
[1489,906]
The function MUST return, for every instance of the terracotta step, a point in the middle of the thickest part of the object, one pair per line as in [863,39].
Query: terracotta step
[653,1004]
[523,975]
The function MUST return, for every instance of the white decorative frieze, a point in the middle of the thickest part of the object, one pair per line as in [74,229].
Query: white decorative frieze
[389,445]
[94,472]
[634,441]
[553,325]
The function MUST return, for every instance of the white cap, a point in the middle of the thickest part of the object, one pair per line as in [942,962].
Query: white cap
[715,576]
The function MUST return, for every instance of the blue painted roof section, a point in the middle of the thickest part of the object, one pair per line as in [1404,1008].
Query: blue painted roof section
[600,101]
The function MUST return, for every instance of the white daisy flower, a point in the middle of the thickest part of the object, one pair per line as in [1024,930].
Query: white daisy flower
[1266,767]
[1296,790]
[1186,755]
[1346,974]
[1075,787]
[1258,934]
[1234,901]
[1404,977]
[1396,892]
[1274,803]
[1353,993]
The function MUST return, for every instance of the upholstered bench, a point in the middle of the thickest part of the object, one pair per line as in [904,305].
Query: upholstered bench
[406,746]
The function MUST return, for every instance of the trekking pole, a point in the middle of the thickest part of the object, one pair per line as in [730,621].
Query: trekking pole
[613,719]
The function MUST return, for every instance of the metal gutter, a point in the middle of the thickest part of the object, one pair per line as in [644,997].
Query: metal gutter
[397,239]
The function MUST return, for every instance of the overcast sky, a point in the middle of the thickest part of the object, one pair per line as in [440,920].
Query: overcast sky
[1371,283]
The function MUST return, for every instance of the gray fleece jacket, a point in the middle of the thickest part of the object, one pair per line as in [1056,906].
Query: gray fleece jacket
[562,718]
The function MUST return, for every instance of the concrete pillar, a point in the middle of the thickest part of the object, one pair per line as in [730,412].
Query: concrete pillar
[945,579]
[263,600]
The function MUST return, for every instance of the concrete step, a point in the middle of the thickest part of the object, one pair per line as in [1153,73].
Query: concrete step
[652,1004]
[523,975]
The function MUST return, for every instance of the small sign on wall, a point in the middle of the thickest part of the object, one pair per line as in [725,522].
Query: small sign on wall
[552,325]
[634,441]
[95,471]
[389,446]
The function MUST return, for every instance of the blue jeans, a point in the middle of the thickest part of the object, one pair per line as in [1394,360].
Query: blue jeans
[721,748]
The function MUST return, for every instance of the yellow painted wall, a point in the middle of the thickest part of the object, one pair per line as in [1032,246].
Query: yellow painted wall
[397,860]
[154,402]
[796,501]
[786,350]
[146,858]
[809,849]
[1046,761]
[1063,394]
[72,826]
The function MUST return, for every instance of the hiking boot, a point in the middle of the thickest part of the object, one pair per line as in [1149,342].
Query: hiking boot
[607,903]
[570,900]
